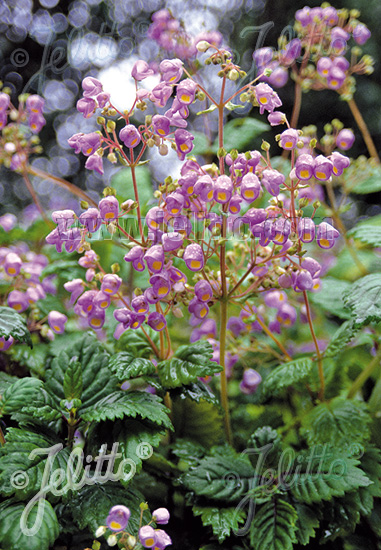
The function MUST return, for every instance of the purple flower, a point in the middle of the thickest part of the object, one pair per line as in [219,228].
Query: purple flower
[8,221]
[86,106]
[289,139]
[312,266]
[236,326]
[161,284]
[204,188]
[161,125]
[157,322]
[172,241]
[147,536]
[323,168]
[18,300]
[160,94]
[174,203]
[290,52]
[57,321]
[154,218]
[135,255]
[118,517]
[286,315]
[162,539]
[75,142]
[341,63]
[203,291]
[91,87]
[183,140]
[111,284]
[278,77]
[4,102]
[102,300]
[75,287]
[304,16]
[140,304]
[235,204]
[250,381]
[193,257]
[141,70]
[303,280]
[340,162]
[155,258]
[326,235]
[361,34]
[95,162]
[6,344]
[268,99]
[323,66]
[137,319]
[130,136]
[285,280]
[263,56]
[91,219]
[223,189]
[36,122]
[161,516]
[89,143]
[275,298]
[345,139]
[272,180]
[171,70]
[97,318]
[330,15]
[102,99]
[109,208]
[335,78]
[306,230]
[304,167]
[280,230]
[255,216]
[63,218]
[339,38]
[250,187]
[12,264]
[199,309]
[276,118]
[34,104]
[186,91]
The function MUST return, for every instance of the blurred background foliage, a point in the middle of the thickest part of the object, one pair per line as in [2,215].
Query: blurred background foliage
[48,46]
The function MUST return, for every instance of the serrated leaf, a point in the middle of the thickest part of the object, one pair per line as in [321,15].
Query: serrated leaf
[239,133]
[341,338]
[363,299]
[274,526]
[198,391]
[32,358]
[324,473]
[189,363]
[15,396]
[125,366]
[221,478]
[121,404]
[15,457]
[200,422]
[13,324]
[73,382]
[306,523]
[12,537]
[370,185]
[330,297]
[134,342]
[136,440]
[341,422]
[6,380]
[367,233]
[91,505]
[288,374]
[222,520]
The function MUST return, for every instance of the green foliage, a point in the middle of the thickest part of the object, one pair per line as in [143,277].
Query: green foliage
[274,526]
[13,324]
[307,522]
[125,366]
[134,437]
[14,397]
[33,359]
[239,133]
[122,182]
[372,183]
[199,422]
[341,338]
[288,374]
[330,297]
[189,363]
[363,299]
[222,520]
[11,536]
[341,422]
[73,382]
[368,232]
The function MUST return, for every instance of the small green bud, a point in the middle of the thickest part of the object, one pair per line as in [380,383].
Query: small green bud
[109,191]
[111,125]
[101,120]
[244,97]
[84,205]
[203,46]
[96,545]
[168,180]
[150,142]
[131,542]
[313,143]
[267,72]
[316,204]
[148,120]
[234,154]
[303,202]
[143,506]
[115,268]
[265,145]
[200,95]
[337,124]
[111,112]
[233,75]
[328,128]
[221,153]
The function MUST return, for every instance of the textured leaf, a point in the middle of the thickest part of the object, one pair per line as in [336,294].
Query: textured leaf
[220,478]
[367,233]
[131,404]
[198,391]
[16,395]
[330,297]
[134,342]
[341,338]
[341,422]
[136,440]
[274,526]
[13,324]
[306,523]
[11,536]
[14,457]
[222,520]
[239,133]
[6,380]
[73,383]
[125,366]
[91,505]
[32,358]
[363,299]
[323,473]
[288,374]
[200,422]
[372,184]
[189,363]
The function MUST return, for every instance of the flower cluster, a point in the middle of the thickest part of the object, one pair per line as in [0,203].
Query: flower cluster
[148,536]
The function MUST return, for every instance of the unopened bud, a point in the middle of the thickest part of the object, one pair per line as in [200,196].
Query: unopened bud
[177,312]
[200,95]
[109,192]
[148,120]
[203,46]
[163,150]
[101,120]
[111,125]
[84,205]
[100,531]
[265,145]
[111,112]
[313,143]
[234,154]
[112,540]
[115,268]
[150,142]
[112,158]
[267,72]
[131,542]
[316,204]
[221,153]
[233,75]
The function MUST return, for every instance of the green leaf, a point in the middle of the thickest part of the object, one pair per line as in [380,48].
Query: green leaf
[16,395]
[222,478]
[367,233]
[330,297]
[6,380]
[189,363]
[323,473]
[122,182]
[341,422]
[198,391]
[32,358]
[131,404]
[222,520]
[62,268]
[306,524]
[201,145]
[134,342]
[73,383]
[125,366]
[12,537]
[210,109]
[91,505]
[15,458]
[370,185]
[341,338]
[200,422]
[363,299]
[136,440]
[274,526]
[230,106]
[13,324]
[288,374]
[239,133]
